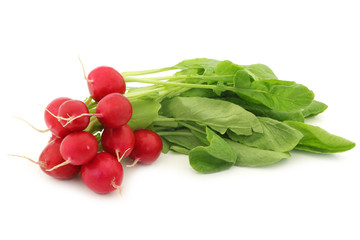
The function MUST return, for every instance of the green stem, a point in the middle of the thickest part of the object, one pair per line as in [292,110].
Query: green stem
[163,133]
[190,85]
[137,73]
[160,92]
[88,101]
[164,119]
[191,127]
[93,122]
[92,110]
[177,84]
[178,77]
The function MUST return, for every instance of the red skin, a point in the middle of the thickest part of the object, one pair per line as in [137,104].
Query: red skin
[148,146]
[103,174]
[51,157]
[114,110]
[79,148]
[103,81]
[119,140]
[52,122]
[74,108]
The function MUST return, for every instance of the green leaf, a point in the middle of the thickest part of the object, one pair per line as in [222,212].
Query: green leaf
[218,114]
[276,136]
[259,72]
[190,72]
[227,68]
[256,71]
[183,138]
[318,140]
[242,79]
[260,110]
[314,109]
[207,65]
[216,157]
[199,92]
[165,122]
[144,113]
[255,157]
[197,130]
[166,146]
[179,149]
[278,95]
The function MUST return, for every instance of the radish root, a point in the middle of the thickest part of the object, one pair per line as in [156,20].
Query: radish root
[59,165]
[114,185]
[83,69]
[122,156]
[41,164]
[133,164]
[71,119]
[39,130]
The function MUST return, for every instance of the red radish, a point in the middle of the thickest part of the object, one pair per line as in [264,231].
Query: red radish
[77,148]
[103,174]
[53,123]
[118,141]
[103,81]
[74,115]
[114,110]
[147,148]
[51,157]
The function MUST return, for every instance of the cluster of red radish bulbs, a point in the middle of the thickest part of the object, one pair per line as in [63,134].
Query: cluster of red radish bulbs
[72,150]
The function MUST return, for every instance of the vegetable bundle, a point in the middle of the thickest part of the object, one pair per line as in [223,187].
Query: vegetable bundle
[219,113]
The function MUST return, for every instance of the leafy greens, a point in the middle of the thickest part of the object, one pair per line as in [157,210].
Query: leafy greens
[223,114]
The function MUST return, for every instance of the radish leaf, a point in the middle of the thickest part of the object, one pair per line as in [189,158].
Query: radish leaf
[276,136]
[255,157]
[318,140]
[216,157]
[218,114]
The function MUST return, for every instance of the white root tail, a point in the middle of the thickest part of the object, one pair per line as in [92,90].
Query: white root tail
[71,119]
[41,164]
[114,185]
[39,130]
[122,156]
[59,165]
[133,164]
[84,72]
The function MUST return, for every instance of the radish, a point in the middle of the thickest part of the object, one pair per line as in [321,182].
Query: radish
[147,148]
[74,115]
[118,141]
[53,123]
[77,148]
[114,110]
[103,81]
[51,157]
[103,174]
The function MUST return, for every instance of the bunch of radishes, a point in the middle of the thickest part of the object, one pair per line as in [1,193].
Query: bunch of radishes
[72,149]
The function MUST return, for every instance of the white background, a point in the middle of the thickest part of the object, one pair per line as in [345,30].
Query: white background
[308,196]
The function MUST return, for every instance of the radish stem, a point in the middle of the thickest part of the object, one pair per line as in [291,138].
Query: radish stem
[136,73]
